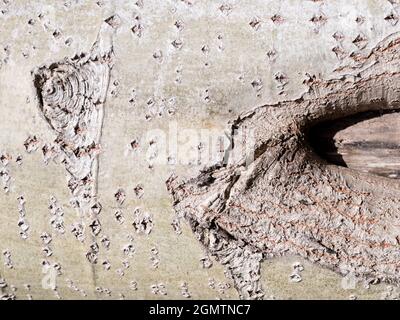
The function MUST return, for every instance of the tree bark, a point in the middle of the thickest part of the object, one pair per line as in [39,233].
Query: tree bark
[288,200]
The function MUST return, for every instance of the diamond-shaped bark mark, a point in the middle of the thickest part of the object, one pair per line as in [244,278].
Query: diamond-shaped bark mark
[177,44]
[360,20]
[257,84]
[339,52]
[360,41]
[5,159]
[139,4]
[392,18]
[158,55]
[277,19]
[271,55]
[114,21]
[179,25]
[225,8]
[187,2]
[255,23]
[338,36]
[318,20]
[310,79]
[205,49]
[281,78]
[31,144]
[357,56]
[57,34]
[282,81]
[137,29]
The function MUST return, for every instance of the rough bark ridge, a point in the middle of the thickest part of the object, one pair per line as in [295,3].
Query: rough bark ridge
[288,201]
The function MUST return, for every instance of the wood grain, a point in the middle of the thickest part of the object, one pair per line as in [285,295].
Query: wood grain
[368,142]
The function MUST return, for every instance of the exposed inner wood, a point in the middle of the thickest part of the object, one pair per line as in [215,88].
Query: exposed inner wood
[368,142]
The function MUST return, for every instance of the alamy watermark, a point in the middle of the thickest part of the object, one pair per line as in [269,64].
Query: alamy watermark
[49,280]
[349,281]
[198,146]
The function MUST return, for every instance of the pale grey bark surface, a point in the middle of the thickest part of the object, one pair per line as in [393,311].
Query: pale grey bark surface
[190,65]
